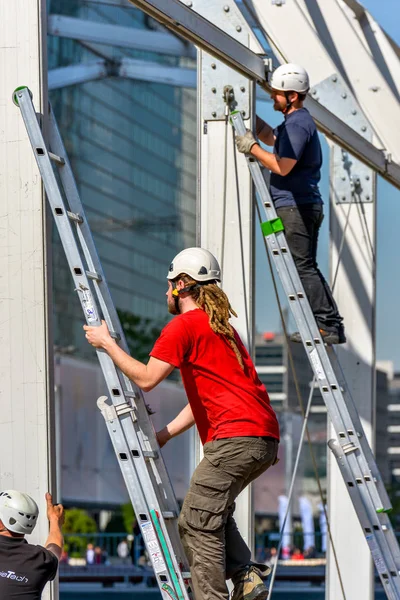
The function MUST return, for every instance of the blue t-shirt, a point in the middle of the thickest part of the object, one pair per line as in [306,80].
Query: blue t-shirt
[297,138]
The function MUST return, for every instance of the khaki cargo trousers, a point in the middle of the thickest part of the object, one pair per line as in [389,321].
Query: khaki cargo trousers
[212,542]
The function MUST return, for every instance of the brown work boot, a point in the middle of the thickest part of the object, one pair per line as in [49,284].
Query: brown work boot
[248,584]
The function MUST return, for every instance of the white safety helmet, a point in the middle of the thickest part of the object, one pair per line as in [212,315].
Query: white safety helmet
[290,78]
[18,511]
[196,262]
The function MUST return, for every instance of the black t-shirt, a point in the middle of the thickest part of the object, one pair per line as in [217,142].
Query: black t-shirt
[24,569]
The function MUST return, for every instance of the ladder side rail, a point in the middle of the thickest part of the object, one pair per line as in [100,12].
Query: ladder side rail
[105,300]
[301,309]
[330,389]
[172,542]
[366,496]
[355,417]
[166,571]
[377,529]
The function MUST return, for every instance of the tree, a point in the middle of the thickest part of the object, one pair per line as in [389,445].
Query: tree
[140,333]
[78,521]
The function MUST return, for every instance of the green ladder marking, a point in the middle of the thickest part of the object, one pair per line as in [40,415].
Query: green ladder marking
[273,226]
[18,89]
[167,554]
[167,588]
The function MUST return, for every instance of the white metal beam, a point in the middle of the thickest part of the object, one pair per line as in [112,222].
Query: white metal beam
[131,68]
[143,70]
[117,35]
[74,74]
[203,33]
[26,390]
[324,24]
[225,217]
[356,296]
[340,132]
[187,23]
[384,51]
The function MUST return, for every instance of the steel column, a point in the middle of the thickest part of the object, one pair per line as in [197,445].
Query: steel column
[26,389]
[225,191]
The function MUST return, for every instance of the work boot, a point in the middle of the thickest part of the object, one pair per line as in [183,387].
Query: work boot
[328,337]
[248,584]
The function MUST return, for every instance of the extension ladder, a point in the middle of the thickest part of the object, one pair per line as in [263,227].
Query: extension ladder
[126,416]
[351,449]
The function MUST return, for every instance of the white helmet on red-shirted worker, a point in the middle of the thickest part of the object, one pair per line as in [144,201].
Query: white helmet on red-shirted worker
[18,512]
[199,263]
[290,78]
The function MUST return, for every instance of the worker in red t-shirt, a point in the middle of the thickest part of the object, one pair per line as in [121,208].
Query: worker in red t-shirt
[231,409]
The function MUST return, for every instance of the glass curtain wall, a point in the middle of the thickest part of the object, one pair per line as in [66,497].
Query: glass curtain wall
[132,147]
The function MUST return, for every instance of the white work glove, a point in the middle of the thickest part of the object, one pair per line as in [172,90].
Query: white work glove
[244,143]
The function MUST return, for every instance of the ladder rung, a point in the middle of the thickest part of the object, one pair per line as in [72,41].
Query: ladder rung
[57,159]
[150,453]
[74,217]
[123,409]
[169,514]
[129,393]
[348,448]
[93,275]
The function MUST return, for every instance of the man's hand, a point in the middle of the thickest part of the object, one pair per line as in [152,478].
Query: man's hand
[55,512]
[163,436]
[244,143]
[98,336]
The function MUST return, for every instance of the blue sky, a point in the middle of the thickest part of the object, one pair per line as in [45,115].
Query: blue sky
[387,13]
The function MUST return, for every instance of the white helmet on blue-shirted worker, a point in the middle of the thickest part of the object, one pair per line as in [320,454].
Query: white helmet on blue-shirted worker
[198,263]
[18,512]
[290,78]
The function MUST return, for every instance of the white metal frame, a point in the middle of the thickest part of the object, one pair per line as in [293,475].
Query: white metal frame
[369,64]
[27,457]
[117,35]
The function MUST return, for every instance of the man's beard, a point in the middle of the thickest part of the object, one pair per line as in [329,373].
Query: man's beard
[172,308]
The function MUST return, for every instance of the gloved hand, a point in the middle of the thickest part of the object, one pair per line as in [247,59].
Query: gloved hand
[244,143]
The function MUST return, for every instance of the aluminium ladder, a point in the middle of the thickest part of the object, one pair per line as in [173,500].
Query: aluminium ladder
[351,449]
[127,419]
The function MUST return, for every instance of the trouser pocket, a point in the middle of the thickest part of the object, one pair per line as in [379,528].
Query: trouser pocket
[204,513]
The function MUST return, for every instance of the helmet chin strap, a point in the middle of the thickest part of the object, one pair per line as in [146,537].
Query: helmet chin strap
[288,103]
[176,293]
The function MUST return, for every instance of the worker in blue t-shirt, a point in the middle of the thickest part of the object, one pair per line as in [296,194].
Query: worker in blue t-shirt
[295,166]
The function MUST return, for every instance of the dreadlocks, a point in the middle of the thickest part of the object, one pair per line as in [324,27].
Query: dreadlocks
[215,303]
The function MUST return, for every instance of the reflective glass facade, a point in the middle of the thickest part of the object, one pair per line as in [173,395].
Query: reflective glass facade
[132,146]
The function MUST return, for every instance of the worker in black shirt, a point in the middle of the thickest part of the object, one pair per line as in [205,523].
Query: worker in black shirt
[295,166]
[24,568]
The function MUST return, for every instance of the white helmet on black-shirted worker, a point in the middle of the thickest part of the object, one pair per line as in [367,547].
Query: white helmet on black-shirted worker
[18,512]
[290,78]
[198,263]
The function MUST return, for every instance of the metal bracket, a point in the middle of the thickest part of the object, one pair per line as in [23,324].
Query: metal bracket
[351,180]
[107,410]
[215,77]
[215,74]
[112,412]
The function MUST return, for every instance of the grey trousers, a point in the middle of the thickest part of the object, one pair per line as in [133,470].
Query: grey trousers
[212,542]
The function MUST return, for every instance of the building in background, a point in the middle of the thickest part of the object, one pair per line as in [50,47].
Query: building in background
[132,147]
[393,432]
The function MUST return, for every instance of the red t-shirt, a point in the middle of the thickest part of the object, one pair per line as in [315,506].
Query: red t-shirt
[226,400]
